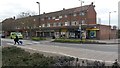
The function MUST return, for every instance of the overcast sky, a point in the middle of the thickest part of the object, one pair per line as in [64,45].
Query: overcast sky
[10,8]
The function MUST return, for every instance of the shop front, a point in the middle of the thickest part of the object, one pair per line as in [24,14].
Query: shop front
[92,33]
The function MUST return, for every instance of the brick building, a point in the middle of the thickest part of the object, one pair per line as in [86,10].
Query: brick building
[69,23]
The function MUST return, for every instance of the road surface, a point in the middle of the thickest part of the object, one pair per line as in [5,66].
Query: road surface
[83,51]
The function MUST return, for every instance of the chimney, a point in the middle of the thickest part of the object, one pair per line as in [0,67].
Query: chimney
[114,27]
[43,12]
[14,17]
[91,3]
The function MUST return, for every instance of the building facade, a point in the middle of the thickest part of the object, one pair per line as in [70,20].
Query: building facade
[67,22]
[78,22]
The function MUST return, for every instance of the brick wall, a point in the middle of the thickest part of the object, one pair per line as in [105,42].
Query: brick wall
[105,32]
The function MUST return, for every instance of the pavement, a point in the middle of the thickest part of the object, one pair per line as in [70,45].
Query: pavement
[111,41]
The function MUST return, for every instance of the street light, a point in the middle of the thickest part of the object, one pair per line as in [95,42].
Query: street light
[80,26]
[109,23]
[39,13]
[38,6]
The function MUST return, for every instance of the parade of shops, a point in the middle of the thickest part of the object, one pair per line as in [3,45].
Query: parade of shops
[78,22]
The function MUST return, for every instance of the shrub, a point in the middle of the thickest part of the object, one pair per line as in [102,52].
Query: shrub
[74,41]
[37,38]
[14,56]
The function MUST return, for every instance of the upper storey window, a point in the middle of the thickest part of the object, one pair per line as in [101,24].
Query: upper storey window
[53,17]
[42,19]
[48,24]
[65,16]
[48,18]
[82,13]
[60,17]
[74,14]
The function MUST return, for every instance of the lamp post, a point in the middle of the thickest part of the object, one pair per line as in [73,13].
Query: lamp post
[80,26]
[109,23]
[39,14]
[38,6]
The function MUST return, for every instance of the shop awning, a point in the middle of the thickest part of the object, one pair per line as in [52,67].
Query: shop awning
[92,29]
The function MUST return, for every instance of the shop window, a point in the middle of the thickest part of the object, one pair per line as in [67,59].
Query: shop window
[72,35]
[92,34]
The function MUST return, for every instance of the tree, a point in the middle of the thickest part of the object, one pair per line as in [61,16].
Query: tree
[25,14]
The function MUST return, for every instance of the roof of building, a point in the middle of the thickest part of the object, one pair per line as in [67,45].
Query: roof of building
[60,12]
[66,11]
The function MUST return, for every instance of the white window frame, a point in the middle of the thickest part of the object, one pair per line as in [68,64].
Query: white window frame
[60,17]
[65,16]
[59,24]
[53,17]
[48,24]
[74,14]
[43,25]
[73,23]
[83,21]
[82,13]
[77,22]
[42,19]
[65,23]
[48,18]
[54,24]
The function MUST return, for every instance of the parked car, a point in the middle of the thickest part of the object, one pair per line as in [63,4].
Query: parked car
[13,35]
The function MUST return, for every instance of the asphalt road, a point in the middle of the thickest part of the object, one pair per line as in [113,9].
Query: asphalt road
[84,51]
[97,47]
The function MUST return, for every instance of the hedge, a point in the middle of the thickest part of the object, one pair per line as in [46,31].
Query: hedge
[75,41]
[37,38]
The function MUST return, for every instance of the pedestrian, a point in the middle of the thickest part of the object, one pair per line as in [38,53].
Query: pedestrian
[16,40]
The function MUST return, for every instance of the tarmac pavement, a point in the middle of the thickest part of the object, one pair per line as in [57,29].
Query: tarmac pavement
[111,41]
